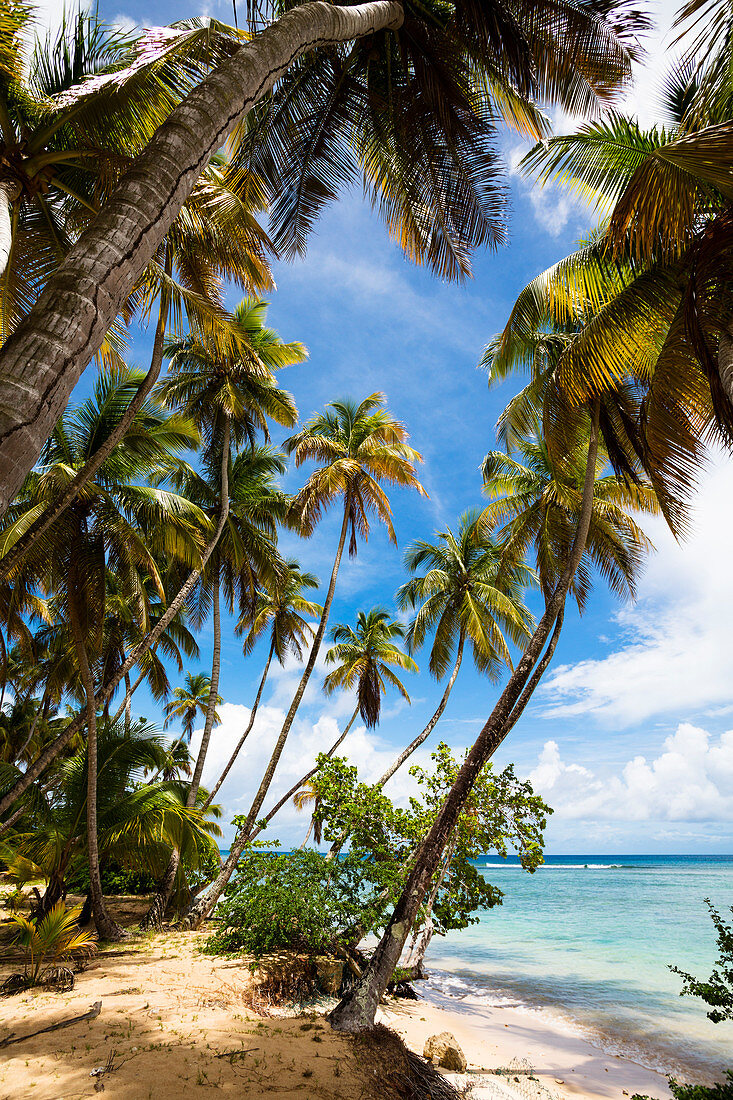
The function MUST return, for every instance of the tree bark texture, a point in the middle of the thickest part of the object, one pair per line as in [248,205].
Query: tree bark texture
[357,1009]
[46,355]
[90,468]
[107,928]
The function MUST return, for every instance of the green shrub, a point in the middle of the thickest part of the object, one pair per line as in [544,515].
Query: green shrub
[115,880]
[299,900]
[723,1090]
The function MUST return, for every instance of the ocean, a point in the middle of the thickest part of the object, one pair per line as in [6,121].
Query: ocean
[589,939]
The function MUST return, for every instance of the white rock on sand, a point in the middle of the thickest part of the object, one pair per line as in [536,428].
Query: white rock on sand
[566,1064]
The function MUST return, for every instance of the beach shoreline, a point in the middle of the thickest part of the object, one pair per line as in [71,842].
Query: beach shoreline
[493,1037]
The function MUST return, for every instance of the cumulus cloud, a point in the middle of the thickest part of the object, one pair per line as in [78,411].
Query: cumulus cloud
[674,655]
[691,780]
[364,748]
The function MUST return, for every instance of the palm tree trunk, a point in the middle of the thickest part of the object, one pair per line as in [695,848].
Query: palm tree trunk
[417,741]
[107,928]
[245,735]
[156,912]
[9,191]
[303,779]
[202,906]
[90,468]
[357,1009]
[46,355]
[128,704]
[213,694]
[424,935]
[149,642]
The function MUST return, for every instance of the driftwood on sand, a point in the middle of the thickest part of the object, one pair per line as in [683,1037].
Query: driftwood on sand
[90,1015]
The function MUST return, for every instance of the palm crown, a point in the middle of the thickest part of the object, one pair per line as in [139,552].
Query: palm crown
[357,447]
[282,610]
[363,657]
[537,500]
[469,590]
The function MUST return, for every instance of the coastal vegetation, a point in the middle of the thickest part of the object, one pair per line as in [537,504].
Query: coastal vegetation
[144,526]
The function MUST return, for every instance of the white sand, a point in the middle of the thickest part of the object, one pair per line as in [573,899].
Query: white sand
[567,1064]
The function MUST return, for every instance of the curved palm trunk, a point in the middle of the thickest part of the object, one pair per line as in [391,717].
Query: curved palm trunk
[357,1009]
[159,904]
[245,735]
[90,468]
[107,928]
[202,906]
[45,357]
[149,642]
[303,779]
[417,741]
[9,191]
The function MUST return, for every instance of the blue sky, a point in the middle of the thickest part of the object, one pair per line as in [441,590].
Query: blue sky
[627,738]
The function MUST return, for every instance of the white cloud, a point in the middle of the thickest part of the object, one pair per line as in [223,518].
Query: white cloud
[364,748]
[675,653]
[691,780]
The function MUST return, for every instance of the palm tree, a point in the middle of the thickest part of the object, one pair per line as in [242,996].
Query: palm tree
[426,156]
[215,238]
[188,702]
[470,590]
[280,609]
[357,447]
[364,657]
[117,523]
[357,1009]
[135,820]
[230,398]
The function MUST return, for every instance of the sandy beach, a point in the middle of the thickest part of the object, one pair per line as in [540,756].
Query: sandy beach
[175,1021]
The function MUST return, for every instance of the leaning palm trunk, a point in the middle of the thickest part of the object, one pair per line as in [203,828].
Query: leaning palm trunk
[45,357]
[159,904]
[423,936]
[416,741]
[107,928]
[357,1009]
[202,906]
[9,191]
[247,731]
[90,468]
[149,642]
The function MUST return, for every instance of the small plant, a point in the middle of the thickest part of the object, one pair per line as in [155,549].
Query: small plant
[45,945]
[13,900]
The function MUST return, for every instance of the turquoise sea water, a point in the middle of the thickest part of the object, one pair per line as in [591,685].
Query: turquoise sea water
[589,939]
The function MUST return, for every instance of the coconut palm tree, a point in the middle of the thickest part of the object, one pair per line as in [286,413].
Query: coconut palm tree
[364,658]
[135,820]
[469,591]
[280,610]
[230,398]
[425,153]
[357,447]
[189,702]
[116,524]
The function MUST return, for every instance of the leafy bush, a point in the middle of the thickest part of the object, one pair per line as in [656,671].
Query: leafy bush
[717,991]
[115,880]
[723,1090]
[299,900]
